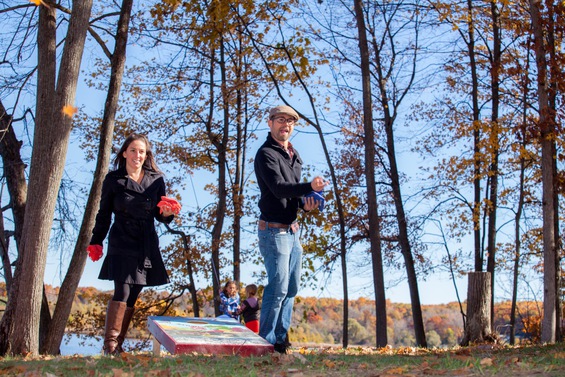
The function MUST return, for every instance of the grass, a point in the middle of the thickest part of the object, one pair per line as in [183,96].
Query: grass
[482,360]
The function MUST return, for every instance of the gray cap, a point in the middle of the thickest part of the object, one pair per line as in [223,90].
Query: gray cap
[283,109]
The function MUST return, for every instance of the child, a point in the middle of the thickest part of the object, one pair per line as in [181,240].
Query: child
[229,300]
[250,309]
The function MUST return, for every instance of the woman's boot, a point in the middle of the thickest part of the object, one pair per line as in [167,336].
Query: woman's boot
[114,319]
[128,315]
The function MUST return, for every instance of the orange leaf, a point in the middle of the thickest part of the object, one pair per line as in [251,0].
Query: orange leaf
[397,370]
[69,110]
[487,361]
[329,364]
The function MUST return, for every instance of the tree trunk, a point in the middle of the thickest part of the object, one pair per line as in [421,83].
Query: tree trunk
[476,139]
[51,135]
[76,266]
[189,269]
[547,128]
[14,173]
[518,216]
[478,329]
[220,143]
[495,147]
[387,106]
[374,236]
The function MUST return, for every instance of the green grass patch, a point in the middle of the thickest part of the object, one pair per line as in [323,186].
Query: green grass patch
[482,360]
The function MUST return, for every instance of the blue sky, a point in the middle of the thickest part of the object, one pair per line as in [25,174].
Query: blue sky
[438,289]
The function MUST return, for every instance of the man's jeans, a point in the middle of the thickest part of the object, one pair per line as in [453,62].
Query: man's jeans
[282,254]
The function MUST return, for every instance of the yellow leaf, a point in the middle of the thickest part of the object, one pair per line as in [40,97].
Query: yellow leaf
[38,3]
[69,110]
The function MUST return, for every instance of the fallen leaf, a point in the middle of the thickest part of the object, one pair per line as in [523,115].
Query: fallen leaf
[434,372]
[460,372]
[462,358]
[512,360]
[329,364]
[486,362]
[398,370]
[463,351]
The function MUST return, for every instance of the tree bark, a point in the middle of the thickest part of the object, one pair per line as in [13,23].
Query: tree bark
[547,134]
[478,329]
[51,135]
[220,142]
[479,258]
[388,106]
[374,235]
[14,173]
[519,211]
[78,261]
[495,147]
[189,269]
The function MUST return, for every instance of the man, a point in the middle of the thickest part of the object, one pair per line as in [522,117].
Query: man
[278,167]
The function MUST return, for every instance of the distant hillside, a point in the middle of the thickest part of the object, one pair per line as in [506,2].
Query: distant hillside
[315,320]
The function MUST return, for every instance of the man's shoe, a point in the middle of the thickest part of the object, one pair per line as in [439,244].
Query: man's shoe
[280,348]
[287,342]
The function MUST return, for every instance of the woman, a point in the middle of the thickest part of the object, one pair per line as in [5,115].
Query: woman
[133,193]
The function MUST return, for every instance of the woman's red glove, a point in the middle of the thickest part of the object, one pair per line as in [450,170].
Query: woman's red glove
[169,204]
[95,252]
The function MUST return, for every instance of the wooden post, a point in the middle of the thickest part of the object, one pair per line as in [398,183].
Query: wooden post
[156,347]
[478,328]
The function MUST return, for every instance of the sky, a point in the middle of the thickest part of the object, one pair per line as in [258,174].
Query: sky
[437,289]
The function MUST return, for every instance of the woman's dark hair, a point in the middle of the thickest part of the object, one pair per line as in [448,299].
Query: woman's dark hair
[149,163]
[228,283]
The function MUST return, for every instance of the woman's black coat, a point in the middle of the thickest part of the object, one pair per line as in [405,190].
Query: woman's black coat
[133,244]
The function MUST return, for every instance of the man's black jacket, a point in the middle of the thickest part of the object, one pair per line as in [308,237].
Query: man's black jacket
[278,177]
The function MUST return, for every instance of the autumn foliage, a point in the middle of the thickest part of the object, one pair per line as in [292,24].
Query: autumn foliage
[317,321]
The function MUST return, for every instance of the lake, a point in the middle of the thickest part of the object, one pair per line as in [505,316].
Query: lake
[74,344]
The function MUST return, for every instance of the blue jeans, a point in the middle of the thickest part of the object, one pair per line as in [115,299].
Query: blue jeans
[282,254]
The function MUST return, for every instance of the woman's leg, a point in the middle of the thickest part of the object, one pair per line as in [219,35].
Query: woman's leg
[128,293]
[114,319]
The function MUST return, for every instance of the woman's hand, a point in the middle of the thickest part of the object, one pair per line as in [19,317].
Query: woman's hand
[95,252]
[168,206]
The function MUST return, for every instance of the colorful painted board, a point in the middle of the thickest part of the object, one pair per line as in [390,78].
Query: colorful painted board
[206,336]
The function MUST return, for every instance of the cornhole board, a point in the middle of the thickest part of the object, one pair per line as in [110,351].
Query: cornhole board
[206,335]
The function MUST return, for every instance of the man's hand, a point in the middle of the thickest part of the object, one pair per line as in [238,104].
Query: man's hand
[310,203]
[319,183]
[318,197]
